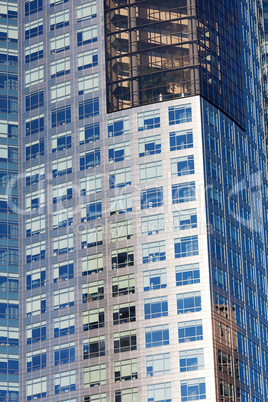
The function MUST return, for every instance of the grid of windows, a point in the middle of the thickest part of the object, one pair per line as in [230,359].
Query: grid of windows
[92,258]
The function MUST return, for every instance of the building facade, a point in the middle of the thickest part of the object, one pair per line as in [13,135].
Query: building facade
[142,201]
[9,317]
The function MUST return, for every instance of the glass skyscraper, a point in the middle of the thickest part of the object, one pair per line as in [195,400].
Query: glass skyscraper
[143,212]
[9,275]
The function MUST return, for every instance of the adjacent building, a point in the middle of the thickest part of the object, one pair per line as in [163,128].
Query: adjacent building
[9,275]
[143,232]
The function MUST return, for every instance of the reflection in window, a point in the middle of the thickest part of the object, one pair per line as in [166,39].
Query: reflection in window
[156,336]
[182,166]
[159,392]
[61,116]
[150,145]
[188,302]
[181,140]
[151,198]
[88,108]
[155,279]
[194,388]
[155,307]
[64,353]
[180,114]
[191,360]
[187,274]
[118,126]
[148,120]
[158,364]
[185,219]
[190,331]
[152,252]
[186,246]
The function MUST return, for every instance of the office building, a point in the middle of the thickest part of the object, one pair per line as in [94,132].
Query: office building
[143,203]
[9,317]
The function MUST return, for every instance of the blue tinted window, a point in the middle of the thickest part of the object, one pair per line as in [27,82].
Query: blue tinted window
[36,332]
[182,166]
[150,145]
[180,114]
[36,149]
[186,246]
[36,361]
[91,211]
[61,141]
[88,108]
[64,354]
[61,116]
[89,133]
[156,336]
[151,198]
[36,278]
[34,100]
[63,271]
[118,126]
[190,331]
[152,252]
[158,364]
[184,192]
[34,126]
[87,35]
[155,279]
[187,274]
[181,140]
[64,325]
[90,159]
[35,31]
[185,219]
[188,302]
[33,6]
[119,178]
[9,104]
[194,389]
[159,392]
[148,120]
[155,307]
[191,360]
[34,53]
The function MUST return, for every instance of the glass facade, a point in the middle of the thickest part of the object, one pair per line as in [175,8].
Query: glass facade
[159,51]
[143,225]
[9,275]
